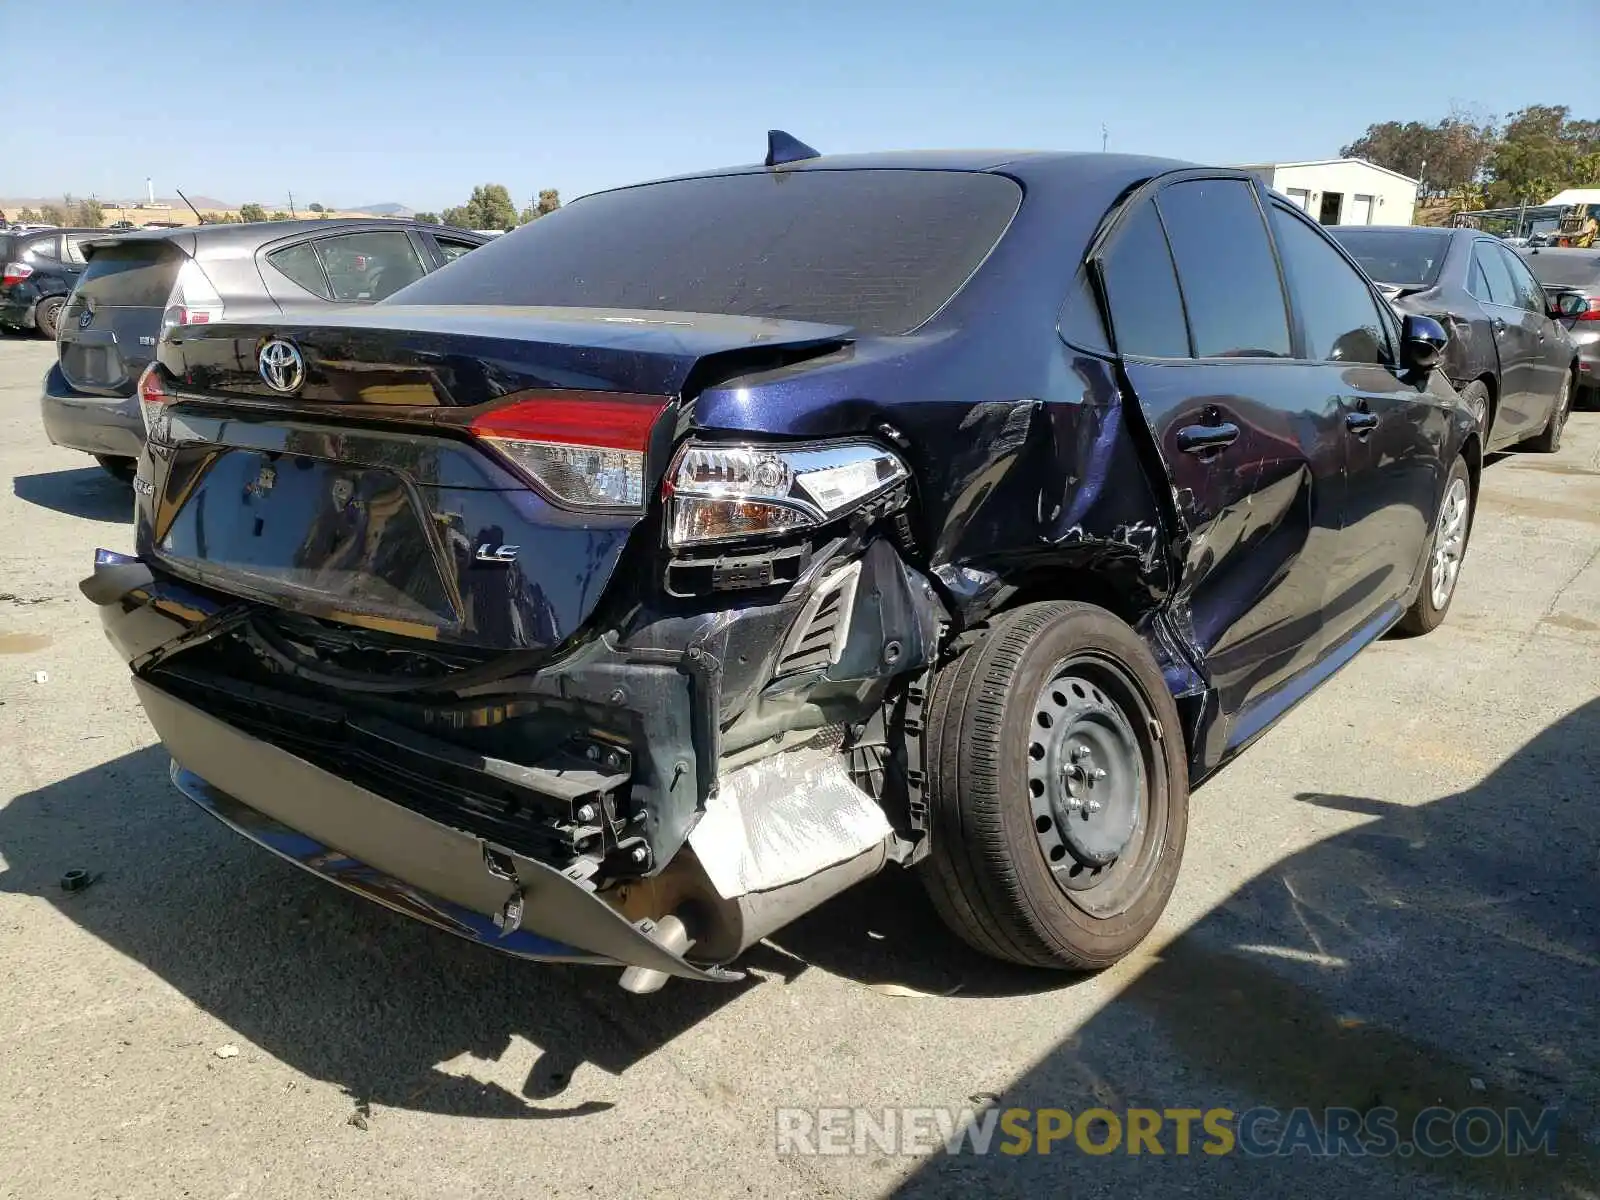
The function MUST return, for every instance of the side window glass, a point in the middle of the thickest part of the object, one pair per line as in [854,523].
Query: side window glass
[1226,270]
[1081,325]
[368,266]
[299,263]
[43,249]
[1496,274]
[1477,285]
[1142,289]
[450,251]
[1529,294]
[1341,319]
[74,247]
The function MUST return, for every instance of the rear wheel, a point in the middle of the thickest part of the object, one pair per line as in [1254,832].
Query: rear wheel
[47,316]
[120,469]
[1549,441]
[1058,789]
[1447,547]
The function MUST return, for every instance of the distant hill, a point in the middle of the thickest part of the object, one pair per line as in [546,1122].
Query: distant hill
[389,209]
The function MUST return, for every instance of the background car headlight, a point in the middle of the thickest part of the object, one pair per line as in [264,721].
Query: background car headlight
[719,493]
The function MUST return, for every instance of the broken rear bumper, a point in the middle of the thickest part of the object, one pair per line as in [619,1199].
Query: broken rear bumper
[399,858]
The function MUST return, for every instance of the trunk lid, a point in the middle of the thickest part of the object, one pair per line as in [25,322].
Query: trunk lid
[468,477]
[112,321]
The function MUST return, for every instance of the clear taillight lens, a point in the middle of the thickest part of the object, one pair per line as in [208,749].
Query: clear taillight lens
[720,493]
[15,273]
[583,454]
[194,301]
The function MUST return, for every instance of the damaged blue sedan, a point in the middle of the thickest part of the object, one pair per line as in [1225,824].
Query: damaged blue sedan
[653,574]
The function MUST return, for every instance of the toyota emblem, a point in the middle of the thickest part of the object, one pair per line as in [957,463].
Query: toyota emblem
[282,368]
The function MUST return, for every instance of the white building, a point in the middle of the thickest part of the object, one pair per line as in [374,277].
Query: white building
[1343,191]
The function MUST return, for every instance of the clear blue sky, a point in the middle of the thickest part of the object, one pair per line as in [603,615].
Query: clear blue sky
[353,102]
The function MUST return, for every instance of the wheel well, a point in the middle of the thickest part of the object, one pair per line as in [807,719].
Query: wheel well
[1472,451]
[1492,386]
[1084,586]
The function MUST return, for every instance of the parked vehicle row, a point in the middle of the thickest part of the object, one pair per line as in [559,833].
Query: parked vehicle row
[1569,273]
[133,288]
[40,269]
[616,598]
[1509,355]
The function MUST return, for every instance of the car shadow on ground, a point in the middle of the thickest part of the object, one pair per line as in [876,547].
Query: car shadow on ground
[86,492]
[1445,954]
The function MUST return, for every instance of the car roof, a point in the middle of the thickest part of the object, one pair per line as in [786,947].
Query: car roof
[1024,165]
[257,232]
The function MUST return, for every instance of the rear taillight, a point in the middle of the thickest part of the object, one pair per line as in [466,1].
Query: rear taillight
[153,401]
[194,301]
[586,454]
[15,273]
[1592,315]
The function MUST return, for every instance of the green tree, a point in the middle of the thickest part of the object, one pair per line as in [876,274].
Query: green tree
[53,214]
[252,212]
[1448,156]
[314,207]
[1541,151]
[30,216]
[489,208]
[428,218]
[221,218]
[89,214]
[548,200]
[280,215]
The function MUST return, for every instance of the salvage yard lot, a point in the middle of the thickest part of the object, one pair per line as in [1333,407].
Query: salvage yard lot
[1390,901]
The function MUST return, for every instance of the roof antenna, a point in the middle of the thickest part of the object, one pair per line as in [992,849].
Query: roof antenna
[786,148]
[192,208]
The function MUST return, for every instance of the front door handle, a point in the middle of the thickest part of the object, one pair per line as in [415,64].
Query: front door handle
[1361,423]
[1205,439]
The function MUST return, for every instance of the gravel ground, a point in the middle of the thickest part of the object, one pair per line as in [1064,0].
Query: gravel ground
[1390,900]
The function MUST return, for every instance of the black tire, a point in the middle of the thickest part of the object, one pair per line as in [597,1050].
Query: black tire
[1426,612]
[988,872]
[47,315]
[1549,441]
[120,469]
[1476,397]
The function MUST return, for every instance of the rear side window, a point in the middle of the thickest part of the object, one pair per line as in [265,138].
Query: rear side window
[1225,269]
[1341,319]
[1142,290]
[299,262]
[1496,274]
[879,250]
[132,274]
[368,266]
[42,249]
[450,251]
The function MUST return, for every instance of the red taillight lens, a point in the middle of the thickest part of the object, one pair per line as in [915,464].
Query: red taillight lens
[585,453]
[15,273]
[153,399]
[1594,311]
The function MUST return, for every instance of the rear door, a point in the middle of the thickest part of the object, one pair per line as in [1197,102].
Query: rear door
[1393,431]
[111,325]
[1516,339]
[1251,439]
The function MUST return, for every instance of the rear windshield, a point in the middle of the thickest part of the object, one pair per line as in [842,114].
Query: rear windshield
[132,275]
[1574,269]
[1400,259]
[879,250]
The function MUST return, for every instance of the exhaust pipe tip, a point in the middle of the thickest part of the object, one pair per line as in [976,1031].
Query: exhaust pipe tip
[673,934]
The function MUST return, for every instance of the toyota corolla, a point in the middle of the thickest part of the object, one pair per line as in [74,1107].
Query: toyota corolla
[660,570]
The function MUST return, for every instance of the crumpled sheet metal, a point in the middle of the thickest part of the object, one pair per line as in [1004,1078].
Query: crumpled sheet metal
[783,819]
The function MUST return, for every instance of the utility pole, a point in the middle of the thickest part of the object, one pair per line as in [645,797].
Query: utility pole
[292,212]
[1105,137]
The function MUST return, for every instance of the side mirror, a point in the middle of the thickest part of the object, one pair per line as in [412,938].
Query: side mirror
[1567,304]
[1422,343]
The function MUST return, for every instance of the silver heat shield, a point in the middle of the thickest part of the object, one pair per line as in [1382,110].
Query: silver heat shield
[784,819]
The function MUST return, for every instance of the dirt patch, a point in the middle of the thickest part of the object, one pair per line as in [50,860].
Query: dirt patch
[1578,624]
[22,643]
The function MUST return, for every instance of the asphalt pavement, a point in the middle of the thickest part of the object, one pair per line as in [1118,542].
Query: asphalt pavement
[1389,902]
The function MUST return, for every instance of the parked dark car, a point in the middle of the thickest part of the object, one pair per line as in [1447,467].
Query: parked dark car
[1575,272]
[138,286]
[40,269]
[1509,356]
[616,597]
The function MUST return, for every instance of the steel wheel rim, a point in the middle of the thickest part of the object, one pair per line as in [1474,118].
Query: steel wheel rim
[1091,812]
[1449,543]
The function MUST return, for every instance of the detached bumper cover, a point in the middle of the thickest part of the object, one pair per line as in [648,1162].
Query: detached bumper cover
[370,845]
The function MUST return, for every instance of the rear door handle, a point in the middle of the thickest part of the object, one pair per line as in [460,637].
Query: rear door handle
[1499,324]
[1200,439]
[1361,423]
